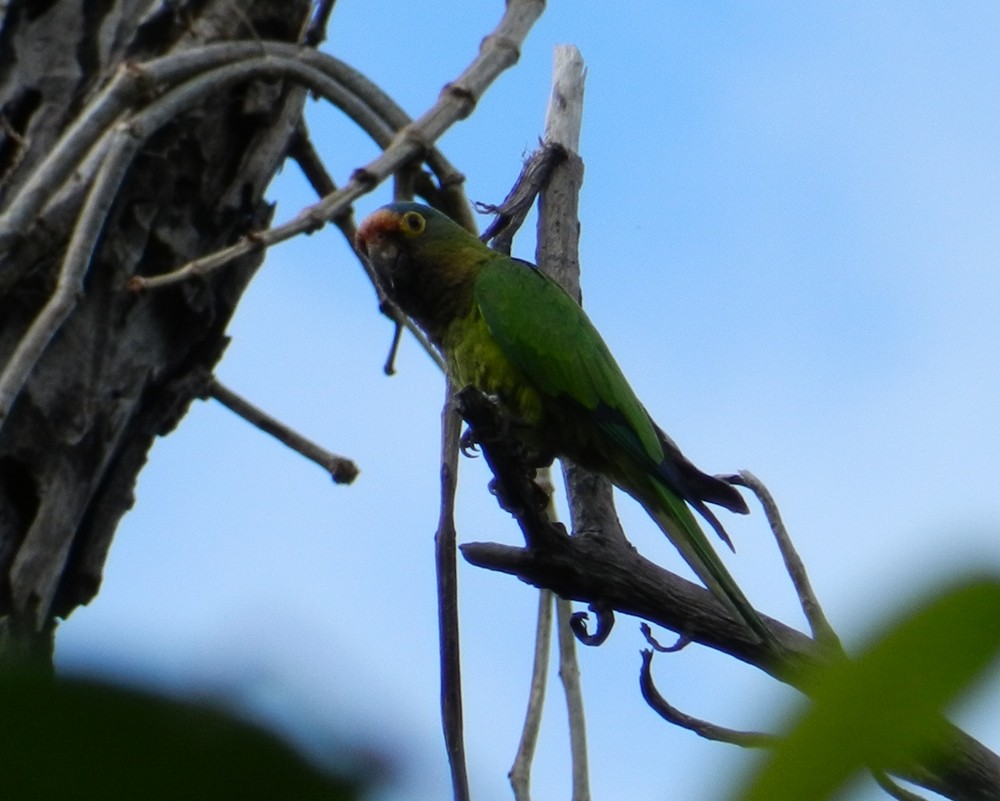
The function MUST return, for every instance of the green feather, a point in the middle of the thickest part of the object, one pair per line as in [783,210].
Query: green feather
[512,332]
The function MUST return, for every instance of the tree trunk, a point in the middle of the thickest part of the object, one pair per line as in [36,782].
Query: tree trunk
[123,367]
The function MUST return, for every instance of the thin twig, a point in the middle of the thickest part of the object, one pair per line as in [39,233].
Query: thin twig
[680,643]
[341,469]
[821,629]
[499,51]
[389,368]
[133,83]
[569,672]
[520,772]
[305,155]
[447,576]
[710,731]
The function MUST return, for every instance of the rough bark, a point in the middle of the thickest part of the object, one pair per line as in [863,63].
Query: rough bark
[124,367]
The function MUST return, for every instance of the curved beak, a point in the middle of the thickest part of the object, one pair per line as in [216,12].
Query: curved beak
[376,245]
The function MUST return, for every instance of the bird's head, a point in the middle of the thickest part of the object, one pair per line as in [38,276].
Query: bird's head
[387,237]
[424,260]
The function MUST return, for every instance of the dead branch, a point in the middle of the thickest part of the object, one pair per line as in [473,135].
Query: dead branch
[447,576]
[710,731]
[821,629]
[520,771]
[499,51]
[341,469]
[569,673]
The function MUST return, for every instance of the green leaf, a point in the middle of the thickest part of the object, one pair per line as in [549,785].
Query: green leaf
[81,739]
[883,709]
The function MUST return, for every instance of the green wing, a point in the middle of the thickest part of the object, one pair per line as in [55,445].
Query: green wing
[547,335]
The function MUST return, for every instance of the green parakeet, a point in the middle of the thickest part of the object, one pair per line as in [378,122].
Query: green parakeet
[510,331]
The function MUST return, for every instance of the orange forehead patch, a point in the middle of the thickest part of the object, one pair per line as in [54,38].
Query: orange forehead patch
[381,221]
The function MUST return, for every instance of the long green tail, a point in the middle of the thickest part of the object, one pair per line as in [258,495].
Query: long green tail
[676,520]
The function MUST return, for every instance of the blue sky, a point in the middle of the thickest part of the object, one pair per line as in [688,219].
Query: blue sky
[790,236]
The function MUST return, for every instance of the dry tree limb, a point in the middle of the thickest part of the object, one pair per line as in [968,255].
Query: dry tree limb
[821,629]
[457,100]
[303,153]
[520,771]
[341,469]
[137,84]
[447,577]
[569,673]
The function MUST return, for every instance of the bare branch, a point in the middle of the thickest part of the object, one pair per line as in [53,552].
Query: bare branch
[818,624]
[680,644]
[341,469]
[447,575]
[499,51]
[605,622]
[135,84]
[569,672]
[301,150]
[520,772]
[710,731]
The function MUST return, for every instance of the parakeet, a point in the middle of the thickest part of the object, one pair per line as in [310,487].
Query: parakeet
[510,331]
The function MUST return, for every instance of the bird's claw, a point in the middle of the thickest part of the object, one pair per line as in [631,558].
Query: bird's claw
[468,443]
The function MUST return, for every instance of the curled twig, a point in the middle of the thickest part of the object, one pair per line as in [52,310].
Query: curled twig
[683,641]
[710,731]
[605,622]
[121,147]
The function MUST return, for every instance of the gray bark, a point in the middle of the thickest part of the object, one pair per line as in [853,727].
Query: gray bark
[123,368]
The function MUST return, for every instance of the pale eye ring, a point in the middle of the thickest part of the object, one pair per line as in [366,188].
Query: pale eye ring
[413,223]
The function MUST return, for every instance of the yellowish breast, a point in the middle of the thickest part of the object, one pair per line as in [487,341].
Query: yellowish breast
[475,359]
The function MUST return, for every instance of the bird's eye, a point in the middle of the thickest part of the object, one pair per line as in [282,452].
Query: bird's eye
[413,223]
